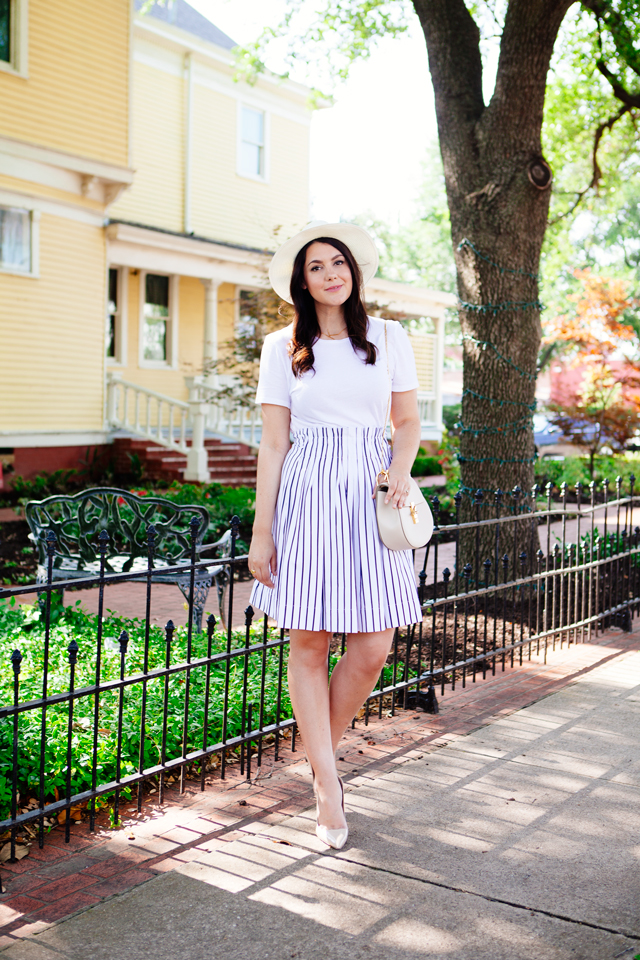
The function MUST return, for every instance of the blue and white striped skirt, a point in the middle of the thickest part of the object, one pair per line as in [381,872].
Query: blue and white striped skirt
[334,572]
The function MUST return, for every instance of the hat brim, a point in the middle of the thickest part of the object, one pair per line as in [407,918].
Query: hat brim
[356,239]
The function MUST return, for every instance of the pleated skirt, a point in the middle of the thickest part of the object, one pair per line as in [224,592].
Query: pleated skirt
[334,572]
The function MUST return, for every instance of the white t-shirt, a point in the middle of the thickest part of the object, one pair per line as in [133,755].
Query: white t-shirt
[341,390]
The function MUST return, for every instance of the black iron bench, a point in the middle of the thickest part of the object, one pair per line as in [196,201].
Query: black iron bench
[78,519]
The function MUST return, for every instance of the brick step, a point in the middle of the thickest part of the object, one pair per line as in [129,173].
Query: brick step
[249,461]
[232,480]
[234,474]
[156,449]
[231,464]
[231,467]
[165,455]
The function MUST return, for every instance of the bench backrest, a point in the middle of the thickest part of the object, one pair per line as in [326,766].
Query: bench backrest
[78,519]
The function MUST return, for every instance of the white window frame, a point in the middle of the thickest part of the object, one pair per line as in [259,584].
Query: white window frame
[264,176]
[120,359]
[240,289]
[171,363]
[18,39]
[34,220]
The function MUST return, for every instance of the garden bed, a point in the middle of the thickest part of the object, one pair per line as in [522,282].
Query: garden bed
[18,555]
[257,678]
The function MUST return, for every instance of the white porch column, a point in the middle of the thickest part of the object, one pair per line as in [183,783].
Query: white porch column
[210,351]
[193,385]
[113,379]
[439,323]
[197,458]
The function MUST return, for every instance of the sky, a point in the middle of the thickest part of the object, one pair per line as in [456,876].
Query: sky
[369,149]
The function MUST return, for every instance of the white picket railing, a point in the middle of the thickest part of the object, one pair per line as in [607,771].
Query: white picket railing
[148,414]
[181,425]
[427,409]
[233,417]
[164,420]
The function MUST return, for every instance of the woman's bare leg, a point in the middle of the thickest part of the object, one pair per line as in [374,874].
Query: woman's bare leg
[354,677]
[309,691]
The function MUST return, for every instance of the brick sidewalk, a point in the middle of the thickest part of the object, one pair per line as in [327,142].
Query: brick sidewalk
[51,884]
[167,602]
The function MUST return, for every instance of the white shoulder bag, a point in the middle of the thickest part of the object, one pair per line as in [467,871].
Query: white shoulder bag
[408,527]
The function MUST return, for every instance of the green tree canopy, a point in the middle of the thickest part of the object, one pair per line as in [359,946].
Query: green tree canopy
[520,86]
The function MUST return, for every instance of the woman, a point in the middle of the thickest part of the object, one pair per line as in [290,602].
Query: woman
[327,381]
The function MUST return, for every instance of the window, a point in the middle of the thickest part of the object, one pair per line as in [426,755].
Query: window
[246,322]
[112,316]
[13,36]
[251,159]
[15,239]
[5,30]
[156,318]
[115,337]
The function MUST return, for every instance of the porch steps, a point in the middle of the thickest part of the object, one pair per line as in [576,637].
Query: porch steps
[231,464]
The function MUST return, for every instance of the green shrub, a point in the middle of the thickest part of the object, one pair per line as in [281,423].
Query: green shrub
[573,470]
[451,414]
[221,502]
[23,628]
[425,466]
[45,485]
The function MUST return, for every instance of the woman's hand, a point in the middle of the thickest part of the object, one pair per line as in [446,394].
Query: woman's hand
[406,440]
[398,487]
[263,562]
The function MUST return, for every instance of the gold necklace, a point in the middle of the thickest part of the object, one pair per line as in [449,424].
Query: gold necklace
[334,336]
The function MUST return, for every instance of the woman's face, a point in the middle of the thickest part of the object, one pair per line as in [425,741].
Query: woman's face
[327,275]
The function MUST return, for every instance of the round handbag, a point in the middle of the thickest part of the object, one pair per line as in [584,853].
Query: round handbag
[404,528]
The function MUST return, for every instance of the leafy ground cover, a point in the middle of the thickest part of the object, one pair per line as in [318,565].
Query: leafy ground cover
[222,503]
[23,628]
[573,470]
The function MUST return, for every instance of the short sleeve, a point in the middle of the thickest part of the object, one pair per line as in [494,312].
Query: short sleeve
[403,362]
[275,371]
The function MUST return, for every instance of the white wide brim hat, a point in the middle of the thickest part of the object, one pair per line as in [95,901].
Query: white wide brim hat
[356,238]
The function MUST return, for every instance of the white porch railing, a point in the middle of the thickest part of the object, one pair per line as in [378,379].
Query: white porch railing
[430,413]
[234,417]
[147,414]
[163,420]
[180,425]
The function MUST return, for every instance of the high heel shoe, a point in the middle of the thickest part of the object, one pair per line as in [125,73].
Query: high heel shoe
[333,838]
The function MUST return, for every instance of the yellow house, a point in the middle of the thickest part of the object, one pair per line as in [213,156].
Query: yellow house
[64,157]
[220,165]
[141,190]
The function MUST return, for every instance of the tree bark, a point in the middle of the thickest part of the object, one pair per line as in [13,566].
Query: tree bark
[492,155]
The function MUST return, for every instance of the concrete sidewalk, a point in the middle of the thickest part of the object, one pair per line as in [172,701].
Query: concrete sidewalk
[519,841]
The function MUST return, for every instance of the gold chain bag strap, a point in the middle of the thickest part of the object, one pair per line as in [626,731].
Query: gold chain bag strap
[408,527]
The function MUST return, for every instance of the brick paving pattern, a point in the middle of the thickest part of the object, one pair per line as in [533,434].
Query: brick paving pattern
[61,879]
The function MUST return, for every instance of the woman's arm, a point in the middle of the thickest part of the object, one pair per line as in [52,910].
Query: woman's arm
[274,446]
[406,440]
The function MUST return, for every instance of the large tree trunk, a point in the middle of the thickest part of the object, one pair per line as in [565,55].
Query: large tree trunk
[492,159]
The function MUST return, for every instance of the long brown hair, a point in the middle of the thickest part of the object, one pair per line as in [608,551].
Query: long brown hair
[306,329]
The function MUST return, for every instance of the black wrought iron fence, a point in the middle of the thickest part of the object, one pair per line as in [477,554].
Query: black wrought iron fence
[97,707]
[573,568]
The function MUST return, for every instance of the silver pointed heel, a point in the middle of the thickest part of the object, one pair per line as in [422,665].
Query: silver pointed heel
[333,838]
